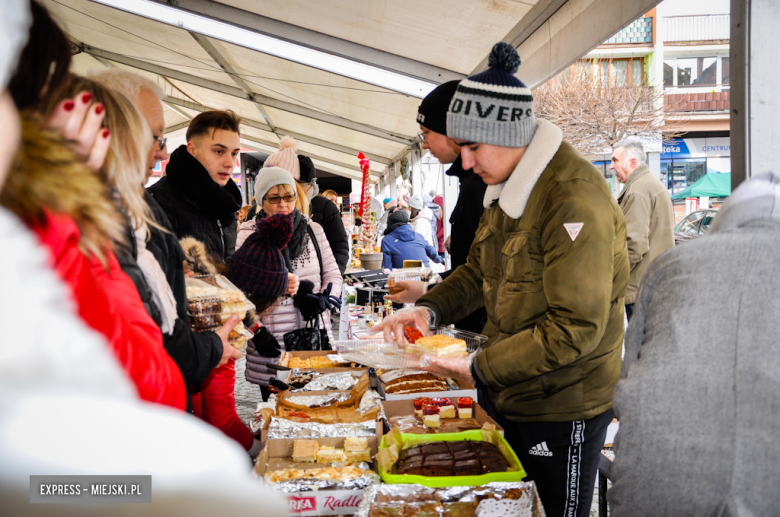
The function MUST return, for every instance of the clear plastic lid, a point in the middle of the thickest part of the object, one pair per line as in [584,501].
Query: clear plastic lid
[213,299]
[379,354]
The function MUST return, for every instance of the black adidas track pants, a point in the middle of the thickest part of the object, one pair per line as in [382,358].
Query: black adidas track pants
[562,458]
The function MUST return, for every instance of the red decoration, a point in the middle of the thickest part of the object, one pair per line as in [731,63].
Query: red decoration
[364,199]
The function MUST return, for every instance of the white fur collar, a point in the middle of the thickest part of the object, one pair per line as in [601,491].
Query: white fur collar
[513,194]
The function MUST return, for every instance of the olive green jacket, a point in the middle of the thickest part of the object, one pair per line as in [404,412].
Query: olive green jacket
[549,263]
[649,214]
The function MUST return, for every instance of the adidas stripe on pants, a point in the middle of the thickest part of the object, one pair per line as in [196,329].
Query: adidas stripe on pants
[562,458]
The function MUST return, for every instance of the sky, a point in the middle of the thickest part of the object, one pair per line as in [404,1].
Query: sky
[687,7]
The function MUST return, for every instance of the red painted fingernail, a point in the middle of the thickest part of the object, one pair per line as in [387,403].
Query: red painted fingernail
[86,98]
[68,106]
[99,109]
[106,132]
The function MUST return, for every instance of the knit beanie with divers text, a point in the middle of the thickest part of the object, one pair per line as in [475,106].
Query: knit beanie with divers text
[493,107]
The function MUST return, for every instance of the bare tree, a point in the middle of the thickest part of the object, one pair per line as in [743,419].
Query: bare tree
[595,109]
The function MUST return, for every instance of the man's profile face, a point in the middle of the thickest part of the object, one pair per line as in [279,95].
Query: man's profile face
[217,152]
[151,109]
[443,148]
[622,166]
[493,163]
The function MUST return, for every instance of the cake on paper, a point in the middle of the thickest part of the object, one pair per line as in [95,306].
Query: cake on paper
[438,345]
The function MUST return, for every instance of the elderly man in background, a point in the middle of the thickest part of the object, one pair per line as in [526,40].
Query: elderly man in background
[648,210]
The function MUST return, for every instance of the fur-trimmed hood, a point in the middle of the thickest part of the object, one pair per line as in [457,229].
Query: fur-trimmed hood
[513,194]
[197,259]
[47,175]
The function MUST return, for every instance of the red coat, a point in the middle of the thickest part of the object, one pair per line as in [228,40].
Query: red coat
[109,303]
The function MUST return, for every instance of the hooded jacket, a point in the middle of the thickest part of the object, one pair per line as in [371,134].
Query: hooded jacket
[70,210]
[284,317]
[195,353]
[197,206]
[325,213]
[422,224]
[649,217]
[108,302]
[550,265]
[403,243]
[702,359]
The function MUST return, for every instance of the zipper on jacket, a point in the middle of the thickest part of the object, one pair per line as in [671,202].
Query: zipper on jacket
[221,238]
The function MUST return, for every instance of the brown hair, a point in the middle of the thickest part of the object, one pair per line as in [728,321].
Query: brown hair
[210,121]
[44,62]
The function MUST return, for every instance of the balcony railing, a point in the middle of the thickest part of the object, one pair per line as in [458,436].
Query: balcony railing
[709,101]
[707,27]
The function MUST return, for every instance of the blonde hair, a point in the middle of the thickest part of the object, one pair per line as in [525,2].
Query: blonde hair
[124,168]
[301,199]
[329,193]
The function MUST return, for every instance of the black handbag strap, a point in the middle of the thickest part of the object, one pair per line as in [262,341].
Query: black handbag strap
[319,254]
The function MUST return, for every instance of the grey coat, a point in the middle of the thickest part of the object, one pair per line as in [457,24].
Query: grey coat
[699,404]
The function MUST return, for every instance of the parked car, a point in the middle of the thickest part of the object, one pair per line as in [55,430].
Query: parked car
[694,224]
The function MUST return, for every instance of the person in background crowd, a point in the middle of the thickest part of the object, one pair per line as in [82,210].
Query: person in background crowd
[439,200]
[464,221]
[401,243]
[332,196]
[308,257]
[196,353]
[197,193]
[711,376]
[241,217]
[325,213]
[381,226]
[648,210]
[437,215]
[421,218]
[550,265]
[286,158]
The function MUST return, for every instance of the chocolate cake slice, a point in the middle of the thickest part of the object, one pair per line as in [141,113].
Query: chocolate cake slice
[467,468]
[437,468]
[434,448]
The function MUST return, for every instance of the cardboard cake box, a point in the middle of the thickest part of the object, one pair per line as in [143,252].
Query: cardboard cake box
[405,408]
[277,455]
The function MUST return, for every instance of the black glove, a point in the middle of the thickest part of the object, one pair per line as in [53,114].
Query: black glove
[266,344]
[312,305]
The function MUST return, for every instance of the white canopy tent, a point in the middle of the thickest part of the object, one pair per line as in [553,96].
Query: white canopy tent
[228,57]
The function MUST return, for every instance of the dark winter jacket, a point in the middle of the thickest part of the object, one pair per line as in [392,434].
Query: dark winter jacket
[326,214]
[550,264]
[467,213]
[196,353]
[198,207]
[127,254]
[464,222]
[403,243]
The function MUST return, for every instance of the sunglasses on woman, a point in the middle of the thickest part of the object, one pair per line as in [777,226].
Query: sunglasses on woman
[275,200]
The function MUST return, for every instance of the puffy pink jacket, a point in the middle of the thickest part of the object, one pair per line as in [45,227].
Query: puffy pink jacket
[284,317]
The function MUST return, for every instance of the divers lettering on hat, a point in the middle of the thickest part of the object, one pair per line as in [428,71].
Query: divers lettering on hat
[420,118]
[504,114]
[487,112]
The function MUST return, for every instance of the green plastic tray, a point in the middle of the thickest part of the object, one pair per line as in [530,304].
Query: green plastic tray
[445,481]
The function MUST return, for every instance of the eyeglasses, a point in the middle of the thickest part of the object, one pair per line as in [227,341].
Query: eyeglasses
[421,136]
[275,200]
[162,141]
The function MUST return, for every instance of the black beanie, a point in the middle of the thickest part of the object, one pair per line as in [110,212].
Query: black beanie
[308,172]
[432,112]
